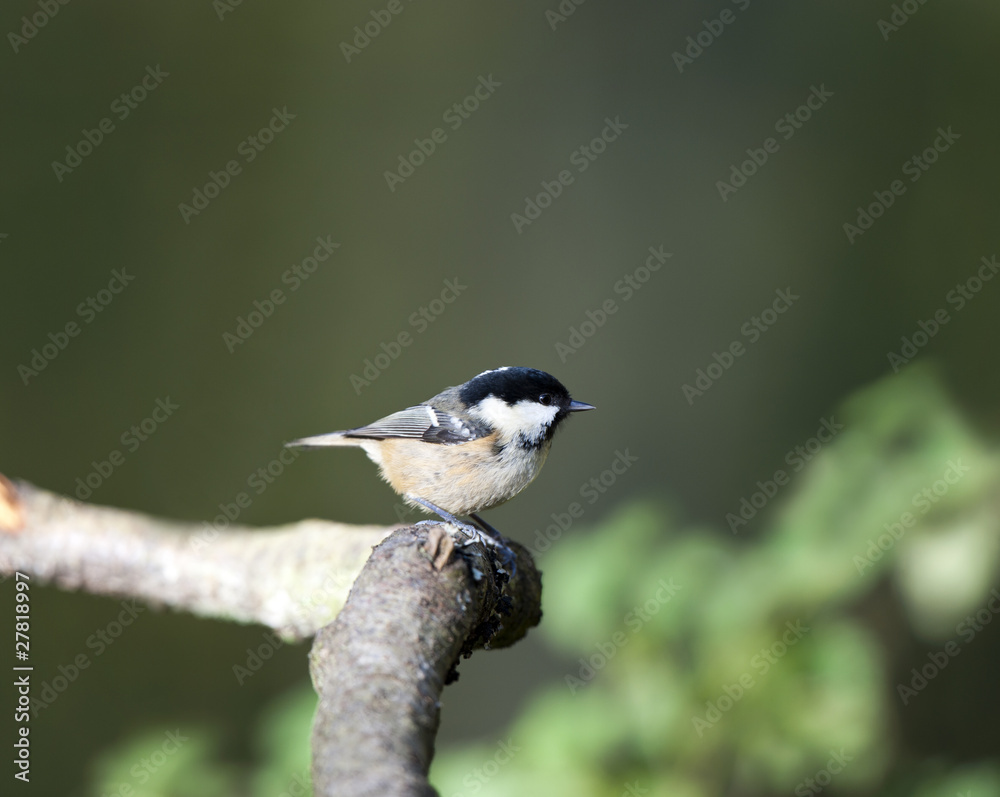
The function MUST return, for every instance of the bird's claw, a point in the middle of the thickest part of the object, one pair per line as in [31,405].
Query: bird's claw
[487,535]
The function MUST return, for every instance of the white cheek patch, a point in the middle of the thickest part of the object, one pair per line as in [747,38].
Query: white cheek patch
[526,417]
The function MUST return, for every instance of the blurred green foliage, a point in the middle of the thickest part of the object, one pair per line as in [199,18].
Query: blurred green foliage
[158,764]
[188,764]
[703,662]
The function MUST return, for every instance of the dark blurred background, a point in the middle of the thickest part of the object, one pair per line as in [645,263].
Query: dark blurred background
[311,113]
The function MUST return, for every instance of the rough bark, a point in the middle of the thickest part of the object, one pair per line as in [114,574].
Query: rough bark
[380,667]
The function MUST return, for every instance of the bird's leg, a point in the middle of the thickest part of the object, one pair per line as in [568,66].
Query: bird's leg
[487,535]
[500,542]
[468,530]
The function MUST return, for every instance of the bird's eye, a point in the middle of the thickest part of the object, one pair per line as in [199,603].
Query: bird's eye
[545,399]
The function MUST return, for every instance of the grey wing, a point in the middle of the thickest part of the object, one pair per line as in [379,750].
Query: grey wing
[422,422]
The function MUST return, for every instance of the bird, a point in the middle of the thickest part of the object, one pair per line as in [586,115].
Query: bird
[470,448]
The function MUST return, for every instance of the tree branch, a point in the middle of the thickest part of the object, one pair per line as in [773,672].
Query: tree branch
[379,667]
[292,578]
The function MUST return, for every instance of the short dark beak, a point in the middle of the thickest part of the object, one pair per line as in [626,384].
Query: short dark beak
[579,406]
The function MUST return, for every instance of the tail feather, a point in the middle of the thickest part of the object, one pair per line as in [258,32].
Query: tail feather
[323,440]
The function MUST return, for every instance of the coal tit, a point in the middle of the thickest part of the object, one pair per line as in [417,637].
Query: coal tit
[470,448]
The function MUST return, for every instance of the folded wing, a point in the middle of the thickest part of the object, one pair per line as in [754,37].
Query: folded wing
[421,422]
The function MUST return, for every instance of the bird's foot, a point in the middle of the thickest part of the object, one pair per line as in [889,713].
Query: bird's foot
[487,535]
